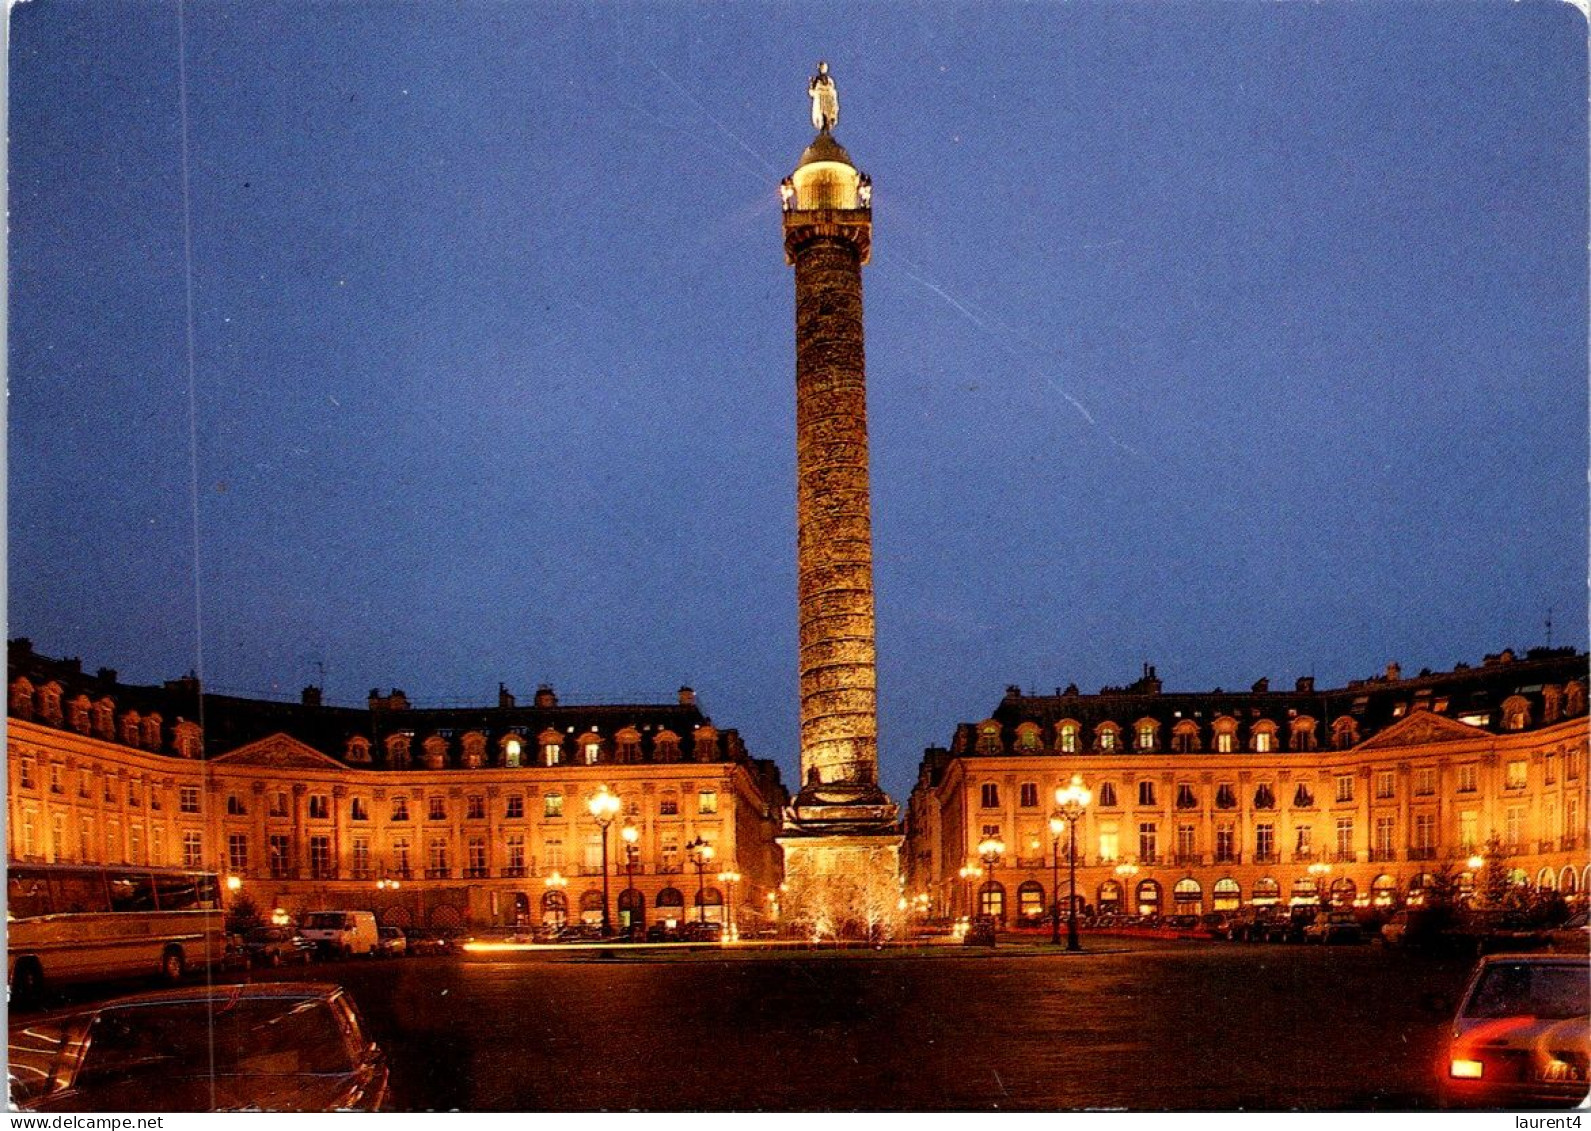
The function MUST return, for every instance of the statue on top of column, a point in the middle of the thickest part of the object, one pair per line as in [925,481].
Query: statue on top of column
[825,99]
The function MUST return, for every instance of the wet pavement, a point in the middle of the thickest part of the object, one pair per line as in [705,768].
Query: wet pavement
[1144,1026]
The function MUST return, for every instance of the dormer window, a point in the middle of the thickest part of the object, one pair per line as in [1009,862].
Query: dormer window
[1067,739]
[1145,732]
[1106,737]
[511,751]
[989,738]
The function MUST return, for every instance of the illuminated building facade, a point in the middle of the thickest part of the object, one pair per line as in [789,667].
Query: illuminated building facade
[1207,801]
[446,817]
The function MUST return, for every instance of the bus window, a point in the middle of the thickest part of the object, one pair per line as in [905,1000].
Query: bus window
[177,893]
[132,891]
[80,892]
[26,896]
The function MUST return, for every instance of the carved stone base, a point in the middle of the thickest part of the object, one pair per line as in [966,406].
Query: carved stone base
[841,885]
[841,809]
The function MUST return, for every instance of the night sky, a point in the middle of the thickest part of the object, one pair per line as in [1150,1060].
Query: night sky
[1243,339]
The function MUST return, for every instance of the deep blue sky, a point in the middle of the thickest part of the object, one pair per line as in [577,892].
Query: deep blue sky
[1245,339]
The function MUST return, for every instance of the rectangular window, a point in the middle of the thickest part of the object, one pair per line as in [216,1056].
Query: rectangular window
[1550,769]
[25,773]
[552,753]
[1109,842]
[516,856]
[1187,837]
[1466,778]
[361,857]
[400,857]
[133,797]
[1107,795]
[1264,844]
[83,783]
[668,807]
[475,807]
[991,832]
[1147,850]
[57,778]
[593,854]
[1068,740]
[989,795]
[1185,797]
[1345,838]
[1146,793]
[1344,787]
[552,849]
[281,857]
[1514,827]
[514,807]
[1424,831]
[1386,785]
[592,752]
[135,840]
[1028,795]
[438,866]
[670,854]
[319,807]
[192,850]
[1303,841]
[235,806]
[85,839]
[1468,830]
[188,799]
[1262,742]
[1107,739]
[58,837]
[707,802]
[477,857]
[320,857]
[279,804]
[400,808]
[1223,742]
[436,809]
[1383,835]
[1425,781]
[552,805]
[1517,774]
[1225,844]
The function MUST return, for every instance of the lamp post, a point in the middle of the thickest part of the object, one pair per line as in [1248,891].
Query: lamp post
[990,849]
[1318,871]
[1071,802]
[1127,870]
[604,806]
[729,878]
[701,854]
[1057,827]
[632,850]
[556,882]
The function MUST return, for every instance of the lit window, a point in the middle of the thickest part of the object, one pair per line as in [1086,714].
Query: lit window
[1107,736]
[552,805]
[1386,785]
[707,801]
[1517,774]
[1069,738]
[1466,777]
[552,753]
[593,752]
[511,753]
[1344,787]
[1424,781]
[1264,742]
[192,850]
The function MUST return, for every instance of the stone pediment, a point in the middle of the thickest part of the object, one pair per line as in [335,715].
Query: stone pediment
[280,751]
[1422,728]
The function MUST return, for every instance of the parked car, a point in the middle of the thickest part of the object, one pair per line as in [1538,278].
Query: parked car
[1216,924]
[341,934]
[1574,937]
[429,940]
[662,932]
[1289,927]
[1522,1034]
[274,946]
[701,932]
[1334,927]
[391,942]
[271,1047]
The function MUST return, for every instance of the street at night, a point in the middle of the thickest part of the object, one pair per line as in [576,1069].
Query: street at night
[1128,1024]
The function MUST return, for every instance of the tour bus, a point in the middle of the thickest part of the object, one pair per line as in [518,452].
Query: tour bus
[71,923]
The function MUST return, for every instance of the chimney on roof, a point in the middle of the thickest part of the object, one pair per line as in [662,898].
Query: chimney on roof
[1261,685]
[21,646]
[545,697]
[1394,672]
[687,697]
[1013,691]
[398,701]
[107,675]
[505,698]
[1306,683]
[187,685]
[310,696]
[1148,683]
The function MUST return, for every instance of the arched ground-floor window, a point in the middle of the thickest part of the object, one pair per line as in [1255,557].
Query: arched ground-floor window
[1547,879]
[1109,897]
[1568,879]
[1304,891]
[1342,892]
[554,908]
[591,908]
[632,908]
[1149,897]
[1383,891]
[1030,902]
[1267,892]
[991,900]
[1188,896]
[670,907]
[711,903]
[1226,895]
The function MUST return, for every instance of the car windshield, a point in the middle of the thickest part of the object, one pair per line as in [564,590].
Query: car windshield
[262,1037]
[325,921]
[1550,991]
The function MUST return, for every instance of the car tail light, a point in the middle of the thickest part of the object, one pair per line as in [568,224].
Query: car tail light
[1466,1069]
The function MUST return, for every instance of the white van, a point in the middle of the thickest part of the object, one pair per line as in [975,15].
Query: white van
[341,934]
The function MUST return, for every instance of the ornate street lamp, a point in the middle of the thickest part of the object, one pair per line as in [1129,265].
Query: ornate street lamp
[1071,802]
[701,854]
[1318,871]
[1057,827]
[990,849]
[632,851]
[729,878]
[968,873]
[604,806]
